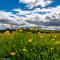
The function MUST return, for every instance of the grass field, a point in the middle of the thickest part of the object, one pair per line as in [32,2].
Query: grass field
[30,45]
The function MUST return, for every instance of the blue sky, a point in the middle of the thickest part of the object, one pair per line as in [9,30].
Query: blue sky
[42,13]
[8,5]
[55,3]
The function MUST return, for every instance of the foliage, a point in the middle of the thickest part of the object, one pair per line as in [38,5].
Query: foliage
[30,45]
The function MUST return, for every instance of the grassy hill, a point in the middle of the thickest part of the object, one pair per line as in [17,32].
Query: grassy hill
[30,44]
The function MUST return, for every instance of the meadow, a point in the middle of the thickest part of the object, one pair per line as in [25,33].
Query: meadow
[29,44]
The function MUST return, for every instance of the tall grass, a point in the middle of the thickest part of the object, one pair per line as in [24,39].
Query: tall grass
[30,45]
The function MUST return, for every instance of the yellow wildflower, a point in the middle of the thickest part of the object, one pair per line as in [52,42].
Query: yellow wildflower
[13,53]
[39,32]
[31,29]
[7,32]
[20,30]
[51,48]
[55,36]
[57,42]
[24,50]
[41,36]
[44,33]
[53,39]
[30,40]
[13,32]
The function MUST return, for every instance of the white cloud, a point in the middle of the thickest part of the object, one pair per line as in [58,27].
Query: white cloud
[12,21]
[21,12]
[49,16]
[46,10]
[8,19]
[37,17]
[34,3]
[32,18]
[50,12]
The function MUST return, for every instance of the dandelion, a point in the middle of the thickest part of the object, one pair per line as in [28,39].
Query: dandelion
[57,42]
[13,53]
[51,48]
[7,32]
[41,36]
[49,35]
[20,30]
[13,32]
[30,40]
[53,39]
[24,50]
[55,36]
[44,33]
[31,28]
[39,32]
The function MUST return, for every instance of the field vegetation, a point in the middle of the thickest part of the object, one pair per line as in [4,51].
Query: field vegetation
[30,44]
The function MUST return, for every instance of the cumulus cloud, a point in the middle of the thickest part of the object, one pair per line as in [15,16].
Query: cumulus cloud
[8,19]
[46,18]
[34,3]
[22,12]
[12,21]
[41,17]
[53,13]
[37,17]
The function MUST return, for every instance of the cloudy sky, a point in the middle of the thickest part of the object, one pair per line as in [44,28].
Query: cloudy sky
[30,13]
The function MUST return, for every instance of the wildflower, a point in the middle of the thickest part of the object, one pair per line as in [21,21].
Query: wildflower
[7,32]
[31,29]
[13,53]
[13,32]
[53,39]
[44,33]
[41,36]
[24,50]
[49,35]
[57,42]
[30,40]
[51,48]
[20,30]
[39,32]
[55,36]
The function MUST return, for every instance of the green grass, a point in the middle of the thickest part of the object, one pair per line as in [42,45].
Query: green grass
[30,45]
